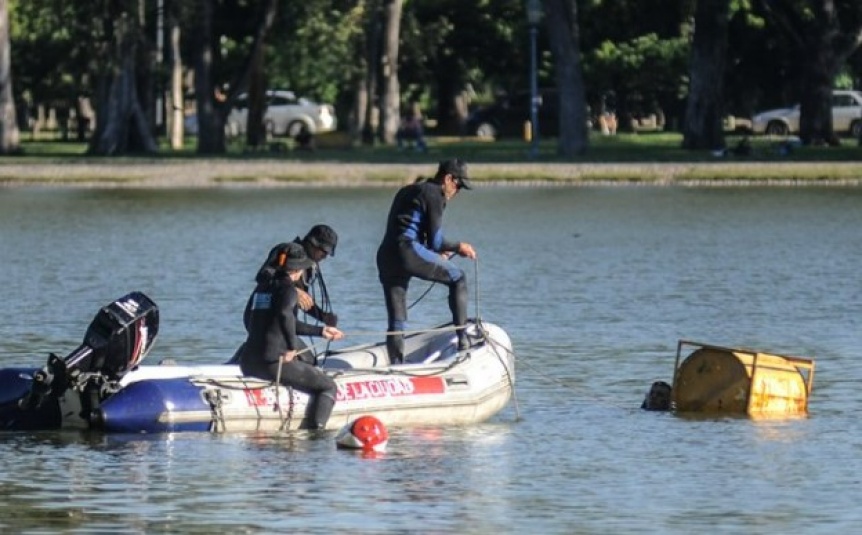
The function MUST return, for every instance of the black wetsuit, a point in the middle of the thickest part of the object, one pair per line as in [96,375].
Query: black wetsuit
[273,330]
[265,275]
[410,248]
[308,280]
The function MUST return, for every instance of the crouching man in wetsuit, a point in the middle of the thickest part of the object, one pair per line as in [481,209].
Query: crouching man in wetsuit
[319,243]
[414,246]
[273,336]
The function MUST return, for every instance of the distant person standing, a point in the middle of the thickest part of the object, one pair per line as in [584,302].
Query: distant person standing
[608,115]
[411,130]
[414,246]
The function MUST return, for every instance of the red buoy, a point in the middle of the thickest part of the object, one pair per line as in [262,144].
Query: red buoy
[366,433]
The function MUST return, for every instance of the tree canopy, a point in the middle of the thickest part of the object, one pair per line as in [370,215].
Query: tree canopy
[452,55]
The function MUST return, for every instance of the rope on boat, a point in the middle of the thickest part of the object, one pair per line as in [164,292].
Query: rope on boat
[325,303]
[427,290]
[578,393]
[476,291]
[421,297]
[494,345]
[285,420]
[406,332]
[389,371]
[214,399]
[277,384]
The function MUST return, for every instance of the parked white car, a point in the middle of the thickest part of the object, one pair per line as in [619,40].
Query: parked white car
[846,117]
[286,115]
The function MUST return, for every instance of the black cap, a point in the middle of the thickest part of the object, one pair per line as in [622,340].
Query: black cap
[292,258]
[458,169]
[323,237]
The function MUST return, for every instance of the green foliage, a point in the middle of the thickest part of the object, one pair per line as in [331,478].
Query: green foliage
[487,48]
[844,80]
[647,69]
[636,48]
[54,43]
[312,48]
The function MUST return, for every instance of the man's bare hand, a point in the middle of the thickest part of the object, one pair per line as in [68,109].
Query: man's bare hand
[465,249]
[332,333]
[305,301]
[288,356]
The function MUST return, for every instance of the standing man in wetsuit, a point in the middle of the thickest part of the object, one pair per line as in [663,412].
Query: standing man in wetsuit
[273,336]
[414,246]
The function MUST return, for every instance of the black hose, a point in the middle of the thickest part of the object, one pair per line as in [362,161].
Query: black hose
[421,297]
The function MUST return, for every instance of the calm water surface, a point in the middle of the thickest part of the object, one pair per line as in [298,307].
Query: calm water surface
[595,286]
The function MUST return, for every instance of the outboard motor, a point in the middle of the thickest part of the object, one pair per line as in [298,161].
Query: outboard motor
[116,341]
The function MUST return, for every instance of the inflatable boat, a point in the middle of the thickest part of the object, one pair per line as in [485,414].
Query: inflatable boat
[102,384]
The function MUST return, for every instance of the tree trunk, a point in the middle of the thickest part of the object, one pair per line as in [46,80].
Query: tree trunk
[255,74]
[451,110]
[146,63]
[824,43]
[815,111]
[256,129]
[176,105]
[360,107]
[373,37]
[390,109]
[563,30]
[214,106]
[210,117]
[123,127]
[9,135]
[815,103]
[703,127]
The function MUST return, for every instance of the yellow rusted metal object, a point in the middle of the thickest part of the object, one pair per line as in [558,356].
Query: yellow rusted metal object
[714,379]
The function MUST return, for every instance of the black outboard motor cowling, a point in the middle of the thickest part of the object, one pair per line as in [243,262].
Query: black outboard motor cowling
[118,338]
[116,341]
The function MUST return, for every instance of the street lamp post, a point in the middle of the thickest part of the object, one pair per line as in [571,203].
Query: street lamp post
[534,16]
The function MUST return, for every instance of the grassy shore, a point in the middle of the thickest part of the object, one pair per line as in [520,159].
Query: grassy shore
[653,158]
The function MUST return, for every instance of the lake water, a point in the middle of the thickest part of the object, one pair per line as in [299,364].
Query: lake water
[595,286]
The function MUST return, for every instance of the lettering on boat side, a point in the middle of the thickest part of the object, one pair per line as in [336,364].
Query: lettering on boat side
[392,387]
[376,389]
[265,397]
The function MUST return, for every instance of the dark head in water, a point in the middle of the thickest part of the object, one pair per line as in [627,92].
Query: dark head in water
[658,397]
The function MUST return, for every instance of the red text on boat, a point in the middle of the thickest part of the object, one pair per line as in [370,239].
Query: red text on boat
[390,387]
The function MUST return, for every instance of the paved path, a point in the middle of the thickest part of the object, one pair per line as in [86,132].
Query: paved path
[284,173]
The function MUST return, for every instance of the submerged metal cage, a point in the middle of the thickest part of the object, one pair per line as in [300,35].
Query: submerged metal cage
[716,379]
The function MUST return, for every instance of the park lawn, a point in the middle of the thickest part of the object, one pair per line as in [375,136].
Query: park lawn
[654,147]
[608,159]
